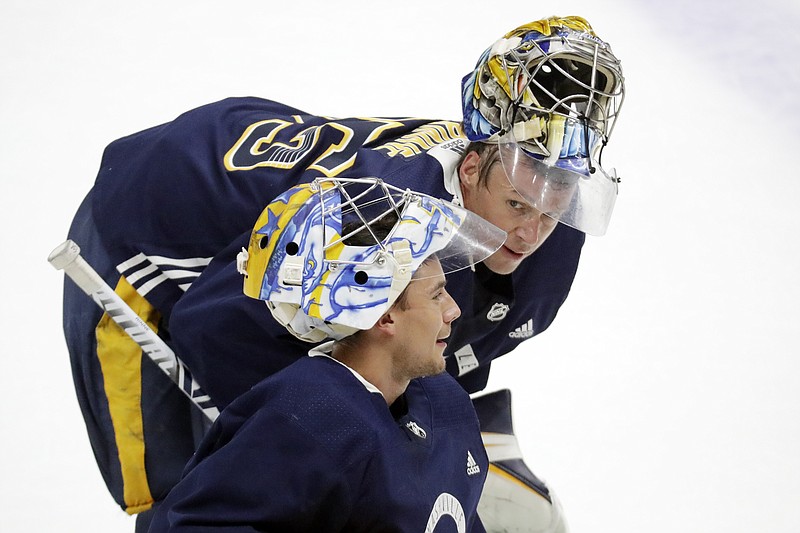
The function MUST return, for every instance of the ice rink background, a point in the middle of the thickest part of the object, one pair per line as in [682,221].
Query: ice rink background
[665,397]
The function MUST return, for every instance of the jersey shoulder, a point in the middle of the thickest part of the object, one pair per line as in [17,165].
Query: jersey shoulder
[450,405]
[325,400]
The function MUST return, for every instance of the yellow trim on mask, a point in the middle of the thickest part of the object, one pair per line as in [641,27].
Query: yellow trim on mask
[331,254]
[121,363]
[546,26]
[258,257]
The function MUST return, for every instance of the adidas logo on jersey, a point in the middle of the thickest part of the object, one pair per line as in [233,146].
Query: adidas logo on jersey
[472,466]
[524,331]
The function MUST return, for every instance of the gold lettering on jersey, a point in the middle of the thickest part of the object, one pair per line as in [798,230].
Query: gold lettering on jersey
[286,155]
[341,146]
[386,124]
[252,141]
[273,143]
[347,135]
[423,138]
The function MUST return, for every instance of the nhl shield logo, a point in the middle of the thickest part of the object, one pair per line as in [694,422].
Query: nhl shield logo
[414,428]
[497,312]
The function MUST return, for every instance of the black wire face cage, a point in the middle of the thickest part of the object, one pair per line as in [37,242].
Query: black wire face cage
[574,75]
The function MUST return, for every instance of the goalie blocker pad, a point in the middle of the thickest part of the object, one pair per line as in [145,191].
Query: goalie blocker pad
[513,498]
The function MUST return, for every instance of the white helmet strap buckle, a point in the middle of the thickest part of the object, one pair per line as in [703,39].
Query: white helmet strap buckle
[291,272]
[401,253]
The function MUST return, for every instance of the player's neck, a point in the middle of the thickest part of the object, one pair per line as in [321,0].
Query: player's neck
[374,363]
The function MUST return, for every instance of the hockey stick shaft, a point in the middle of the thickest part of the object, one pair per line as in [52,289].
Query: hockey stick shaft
[67,257]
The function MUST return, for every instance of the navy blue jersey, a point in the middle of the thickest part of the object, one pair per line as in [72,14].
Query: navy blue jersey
[171,207]
[312,449]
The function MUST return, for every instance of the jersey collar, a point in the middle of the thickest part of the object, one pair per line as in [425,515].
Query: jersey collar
[325,349]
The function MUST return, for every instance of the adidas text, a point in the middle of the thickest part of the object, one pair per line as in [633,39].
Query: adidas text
[472,466]
[523,332]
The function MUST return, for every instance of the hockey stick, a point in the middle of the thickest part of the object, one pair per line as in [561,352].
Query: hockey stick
[67,257]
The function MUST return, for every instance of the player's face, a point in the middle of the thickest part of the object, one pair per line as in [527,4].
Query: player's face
[498,202]
[423,324]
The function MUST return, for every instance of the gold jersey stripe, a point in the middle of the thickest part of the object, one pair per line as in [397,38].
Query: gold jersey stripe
[121,363]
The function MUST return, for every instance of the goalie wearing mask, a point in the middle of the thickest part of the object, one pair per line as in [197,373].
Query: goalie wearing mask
[369,433]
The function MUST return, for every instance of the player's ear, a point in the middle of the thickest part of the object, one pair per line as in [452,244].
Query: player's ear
[386,323]
[469,171]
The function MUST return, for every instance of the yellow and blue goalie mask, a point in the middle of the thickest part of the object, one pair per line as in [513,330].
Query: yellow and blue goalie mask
[549,93]
[302,261]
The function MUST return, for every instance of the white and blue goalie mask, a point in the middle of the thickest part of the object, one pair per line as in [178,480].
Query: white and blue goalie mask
[303,262]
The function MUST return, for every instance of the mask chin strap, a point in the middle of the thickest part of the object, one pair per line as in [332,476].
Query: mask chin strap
[401,255]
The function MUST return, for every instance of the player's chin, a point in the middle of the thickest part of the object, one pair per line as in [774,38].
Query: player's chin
[438,364]
[504,261]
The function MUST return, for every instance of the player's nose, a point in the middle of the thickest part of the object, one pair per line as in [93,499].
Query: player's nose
[450,309]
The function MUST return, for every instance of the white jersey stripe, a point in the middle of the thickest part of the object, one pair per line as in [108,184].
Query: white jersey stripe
[141,273]
[189,262]
[145,265]
[130,263]
[179,274]
[150,285]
